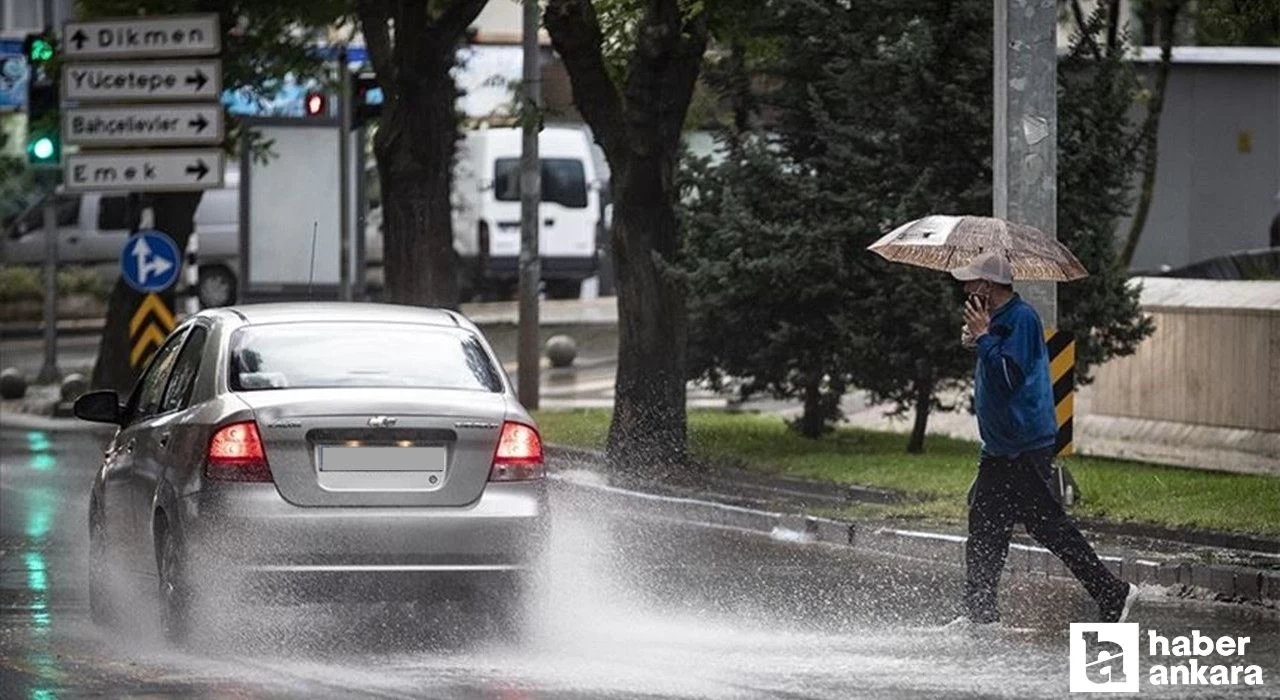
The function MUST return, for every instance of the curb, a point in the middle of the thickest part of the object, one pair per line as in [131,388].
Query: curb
[843,494]
[15,331]
[1226,583]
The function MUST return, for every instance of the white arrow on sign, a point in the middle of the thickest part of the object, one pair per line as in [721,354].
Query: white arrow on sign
[143,37]
[143,125]
[142,82]
[155,265]
[143,171]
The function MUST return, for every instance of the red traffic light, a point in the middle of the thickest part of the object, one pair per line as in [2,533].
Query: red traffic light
[316,104]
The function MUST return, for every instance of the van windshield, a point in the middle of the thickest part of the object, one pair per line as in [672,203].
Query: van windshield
[563,181]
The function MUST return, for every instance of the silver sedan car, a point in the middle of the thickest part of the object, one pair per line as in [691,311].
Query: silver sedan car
[322,448]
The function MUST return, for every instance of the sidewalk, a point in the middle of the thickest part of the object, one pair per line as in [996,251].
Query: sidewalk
[1223,567]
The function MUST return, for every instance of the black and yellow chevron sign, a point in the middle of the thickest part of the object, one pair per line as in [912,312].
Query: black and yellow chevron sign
[1062,372]
[150,324]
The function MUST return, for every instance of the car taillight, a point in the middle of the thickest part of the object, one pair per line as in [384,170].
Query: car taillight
[235,454]
[519,454]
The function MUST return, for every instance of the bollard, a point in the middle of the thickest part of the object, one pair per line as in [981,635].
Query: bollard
[13,385]
[561,350]
[73,386]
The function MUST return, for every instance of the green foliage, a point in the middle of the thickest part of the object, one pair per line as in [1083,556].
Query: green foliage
[24,283]
[17,190]
[770,284]
[937,482]
[1237,22]
[883,116]
[1097,161]
[20,283]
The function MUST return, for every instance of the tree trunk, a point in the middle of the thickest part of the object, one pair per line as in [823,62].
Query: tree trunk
[639,129]
[812,420]
[648,430]
[174,216]
[415,151]
[924,402]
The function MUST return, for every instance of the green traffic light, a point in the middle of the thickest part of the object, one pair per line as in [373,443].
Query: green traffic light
[43,148]
[41,50]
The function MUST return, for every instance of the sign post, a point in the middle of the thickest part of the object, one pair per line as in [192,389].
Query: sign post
[136,87]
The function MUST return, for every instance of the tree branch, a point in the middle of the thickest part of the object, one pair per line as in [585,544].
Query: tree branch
[664,68]
[576,36]
[377,38]
[1113,27]
[453,22]
[1150,135]
[1085,30]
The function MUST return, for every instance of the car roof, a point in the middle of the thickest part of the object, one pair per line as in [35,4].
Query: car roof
[311,311]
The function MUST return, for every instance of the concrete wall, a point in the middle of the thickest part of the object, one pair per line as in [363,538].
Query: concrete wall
[1219,167]
[1204,389]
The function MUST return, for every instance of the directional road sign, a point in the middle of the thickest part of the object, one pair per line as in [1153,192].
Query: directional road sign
[142,82]
[150,261]
[151,322]
[143,125]
[143,171]
[143,37]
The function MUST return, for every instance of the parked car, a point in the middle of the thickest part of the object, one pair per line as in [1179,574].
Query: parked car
[299,447]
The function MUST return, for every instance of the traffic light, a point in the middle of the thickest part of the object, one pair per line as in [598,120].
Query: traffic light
[44,143]
[366,100]
[316,104]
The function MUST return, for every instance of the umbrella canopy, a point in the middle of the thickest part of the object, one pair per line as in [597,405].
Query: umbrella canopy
[950,242]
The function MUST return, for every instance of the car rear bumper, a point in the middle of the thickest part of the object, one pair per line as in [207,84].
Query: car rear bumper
[250,529]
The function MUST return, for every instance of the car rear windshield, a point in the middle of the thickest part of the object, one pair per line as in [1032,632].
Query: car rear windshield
[563,181]
[331,355]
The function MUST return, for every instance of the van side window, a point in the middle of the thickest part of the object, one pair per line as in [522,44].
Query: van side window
[113,213]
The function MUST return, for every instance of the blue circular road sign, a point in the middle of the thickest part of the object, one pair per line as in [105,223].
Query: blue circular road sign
[150,261]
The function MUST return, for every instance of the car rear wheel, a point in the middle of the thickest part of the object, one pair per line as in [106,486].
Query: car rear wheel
[175,594]
[102,606]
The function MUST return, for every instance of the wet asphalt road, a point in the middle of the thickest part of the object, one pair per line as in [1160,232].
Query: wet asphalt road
[637,608]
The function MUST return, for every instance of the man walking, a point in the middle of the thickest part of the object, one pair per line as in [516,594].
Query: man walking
[1014,399]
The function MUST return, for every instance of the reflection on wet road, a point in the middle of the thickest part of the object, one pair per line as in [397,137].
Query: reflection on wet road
[637,607]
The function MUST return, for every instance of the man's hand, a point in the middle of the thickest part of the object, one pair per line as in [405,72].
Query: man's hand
[976,319]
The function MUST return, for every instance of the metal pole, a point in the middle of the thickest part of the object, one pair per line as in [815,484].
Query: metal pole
[1025,162]
[49,370]
[344,180]
[530,199]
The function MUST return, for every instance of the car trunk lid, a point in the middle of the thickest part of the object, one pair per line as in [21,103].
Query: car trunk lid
[379,446]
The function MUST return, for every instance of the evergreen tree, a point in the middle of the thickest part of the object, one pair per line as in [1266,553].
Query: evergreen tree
[883,116]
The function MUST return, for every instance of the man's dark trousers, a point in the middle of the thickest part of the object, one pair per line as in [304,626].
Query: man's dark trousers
[1020,489]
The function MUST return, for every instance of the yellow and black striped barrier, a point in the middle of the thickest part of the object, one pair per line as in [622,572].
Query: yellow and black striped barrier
[1062,372]
[150,324]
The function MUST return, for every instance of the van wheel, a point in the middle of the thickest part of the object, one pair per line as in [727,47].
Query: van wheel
[564,289]
[217,287]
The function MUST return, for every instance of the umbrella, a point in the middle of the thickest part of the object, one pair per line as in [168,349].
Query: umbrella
[950,242]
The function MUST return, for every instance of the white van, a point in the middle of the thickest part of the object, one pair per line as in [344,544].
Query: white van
[486,208]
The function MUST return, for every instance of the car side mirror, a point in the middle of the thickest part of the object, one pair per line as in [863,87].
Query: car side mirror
[99,407]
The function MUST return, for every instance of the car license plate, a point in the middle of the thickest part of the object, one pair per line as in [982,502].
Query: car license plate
[383,459]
